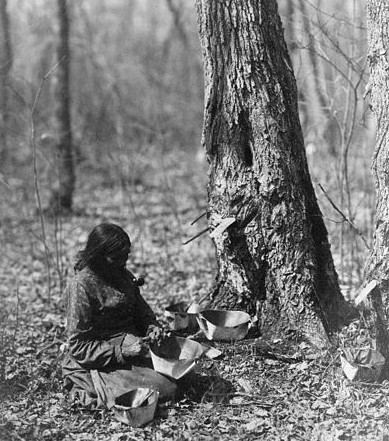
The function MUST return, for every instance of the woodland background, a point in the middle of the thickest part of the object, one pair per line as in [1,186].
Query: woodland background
[137,109]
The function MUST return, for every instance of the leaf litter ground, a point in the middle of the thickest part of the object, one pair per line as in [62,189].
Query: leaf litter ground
[277,390]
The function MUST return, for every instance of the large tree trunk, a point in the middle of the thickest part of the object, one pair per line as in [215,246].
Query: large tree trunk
[6,58]
[62,196]
[377,266]
[275,260]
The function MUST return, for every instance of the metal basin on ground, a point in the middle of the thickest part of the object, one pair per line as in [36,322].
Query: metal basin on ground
[175,356]
[136,407]
[224,325]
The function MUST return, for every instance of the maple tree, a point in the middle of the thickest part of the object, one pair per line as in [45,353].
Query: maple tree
[274,260]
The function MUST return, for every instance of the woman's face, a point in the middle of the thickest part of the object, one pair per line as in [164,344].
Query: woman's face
[118,259]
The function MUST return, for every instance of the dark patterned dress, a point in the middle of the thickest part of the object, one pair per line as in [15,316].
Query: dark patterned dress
[99,315]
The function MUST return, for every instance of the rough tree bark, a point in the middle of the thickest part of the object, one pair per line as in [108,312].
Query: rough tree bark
[6,58]
[275,260]
[377,266]
[62,197]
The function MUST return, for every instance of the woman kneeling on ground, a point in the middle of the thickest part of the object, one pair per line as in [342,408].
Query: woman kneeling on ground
[108,323]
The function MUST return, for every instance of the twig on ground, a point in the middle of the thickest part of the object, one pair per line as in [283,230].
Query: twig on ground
[280,357]
[330,364]
[17,312]
[242,394]
[13,433]
[50,345]
[248,403]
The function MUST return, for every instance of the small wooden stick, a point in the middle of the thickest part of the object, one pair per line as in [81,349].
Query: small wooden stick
[195,237]
[198,218]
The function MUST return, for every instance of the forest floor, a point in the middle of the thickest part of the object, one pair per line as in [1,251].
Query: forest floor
[258,390]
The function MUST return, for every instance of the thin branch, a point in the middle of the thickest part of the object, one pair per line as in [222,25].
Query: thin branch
[17,312]
[333,16]
[177,21]
[35,170]
[344,217]
[43,80]
[356,68]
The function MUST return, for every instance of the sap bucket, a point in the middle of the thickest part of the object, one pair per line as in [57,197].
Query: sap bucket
[136,407]
[175,356]
[179,316]
[363,364]
[224,325]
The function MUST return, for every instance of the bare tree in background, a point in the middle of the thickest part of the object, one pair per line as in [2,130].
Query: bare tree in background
[62,197]
[6,58]
[275,260]
[377,267]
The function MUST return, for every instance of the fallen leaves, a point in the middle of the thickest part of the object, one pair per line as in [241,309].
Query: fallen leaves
[258,390]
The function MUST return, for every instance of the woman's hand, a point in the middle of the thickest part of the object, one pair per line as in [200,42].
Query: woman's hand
[155,333]
[133,346]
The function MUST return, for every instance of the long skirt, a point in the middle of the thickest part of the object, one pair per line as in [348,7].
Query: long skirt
[100,388]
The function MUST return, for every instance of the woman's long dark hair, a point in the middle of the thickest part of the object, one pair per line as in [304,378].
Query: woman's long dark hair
[103,240]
